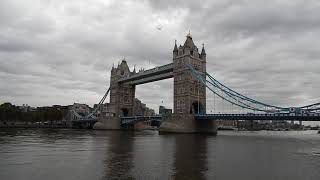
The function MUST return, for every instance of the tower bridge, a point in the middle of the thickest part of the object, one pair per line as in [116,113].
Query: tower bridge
[191,80]
[189,93]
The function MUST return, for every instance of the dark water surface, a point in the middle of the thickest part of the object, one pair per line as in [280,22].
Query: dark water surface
[75,155]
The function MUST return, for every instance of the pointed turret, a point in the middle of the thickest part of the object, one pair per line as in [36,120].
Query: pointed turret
[203,53]
[175,46]
[189,42]
[134,69]
[175,49]
[123,68]
[112,70]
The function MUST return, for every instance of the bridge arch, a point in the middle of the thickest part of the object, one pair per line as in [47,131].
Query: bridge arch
[124,112]
[197,108]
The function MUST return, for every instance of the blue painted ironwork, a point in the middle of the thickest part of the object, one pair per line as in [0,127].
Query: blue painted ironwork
[235,98]
[263,116]
[91,116]
[134,119]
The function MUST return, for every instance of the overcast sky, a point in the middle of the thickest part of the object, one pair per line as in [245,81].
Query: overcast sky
[61,52]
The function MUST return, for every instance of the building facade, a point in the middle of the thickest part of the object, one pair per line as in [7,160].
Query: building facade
[164,111]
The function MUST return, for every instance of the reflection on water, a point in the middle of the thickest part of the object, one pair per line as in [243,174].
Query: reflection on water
[74,154]
[119,160]
[190,157]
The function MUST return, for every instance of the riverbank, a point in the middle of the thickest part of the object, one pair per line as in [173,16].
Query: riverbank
[21,124]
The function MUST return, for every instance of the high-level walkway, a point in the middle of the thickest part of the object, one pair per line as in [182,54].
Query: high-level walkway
[150,75]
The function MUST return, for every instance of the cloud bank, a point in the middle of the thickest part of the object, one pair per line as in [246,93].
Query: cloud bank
[61,52]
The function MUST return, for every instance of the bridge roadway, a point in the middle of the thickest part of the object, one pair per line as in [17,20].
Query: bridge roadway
[249,116]
[133,119]
[231,117]
[150,75]
[87,120]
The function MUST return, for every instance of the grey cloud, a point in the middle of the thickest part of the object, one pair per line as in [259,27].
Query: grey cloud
[59,52]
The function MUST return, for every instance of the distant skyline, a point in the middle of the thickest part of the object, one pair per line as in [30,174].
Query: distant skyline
[61,52]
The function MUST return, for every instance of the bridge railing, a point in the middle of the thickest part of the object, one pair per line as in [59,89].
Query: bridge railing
[133,119]
[252,116]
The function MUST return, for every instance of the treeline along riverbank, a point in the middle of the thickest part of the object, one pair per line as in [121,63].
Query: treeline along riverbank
[26,116]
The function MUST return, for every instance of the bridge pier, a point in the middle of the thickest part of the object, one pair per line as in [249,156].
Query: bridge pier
[141,126]
[108,123]
[186,123]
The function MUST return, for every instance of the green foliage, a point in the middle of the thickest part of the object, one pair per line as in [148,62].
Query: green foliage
[9,112]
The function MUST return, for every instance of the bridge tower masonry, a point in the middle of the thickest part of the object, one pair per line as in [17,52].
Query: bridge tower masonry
[122,95]
[189,93]
[121,98]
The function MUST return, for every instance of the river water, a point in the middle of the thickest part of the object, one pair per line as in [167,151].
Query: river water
[58,154]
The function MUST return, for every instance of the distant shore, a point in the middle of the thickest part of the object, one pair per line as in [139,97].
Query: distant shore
[20,124]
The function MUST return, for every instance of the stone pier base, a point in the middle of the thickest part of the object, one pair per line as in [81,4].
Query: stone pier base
[108,123]
[141,126]
[185,123]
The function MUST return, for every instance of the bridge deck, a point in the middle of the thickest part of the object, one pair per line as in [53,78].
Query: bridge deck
[134,119]
[231,117]
[274,117]
[84,120]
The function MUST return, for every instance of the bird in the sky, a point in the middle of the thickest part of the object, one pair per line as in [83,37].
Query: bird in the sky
[159,27]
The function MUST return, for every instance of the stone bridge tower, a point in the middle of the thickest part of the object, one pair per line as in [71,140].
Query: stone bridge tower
[121,95]
[189,93]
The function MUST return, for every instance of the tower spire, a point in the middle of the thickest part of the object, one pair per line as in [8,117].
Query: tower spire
[175,49]
[134,69]
[203,51]
[189,35]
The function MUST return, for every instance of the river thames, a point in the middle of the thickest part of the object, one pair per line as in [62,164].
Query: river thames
[58,154]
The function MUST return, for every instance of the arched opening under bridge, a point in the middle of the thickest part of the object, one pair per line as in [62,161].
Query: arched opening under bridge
[197,108]
[124,112]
